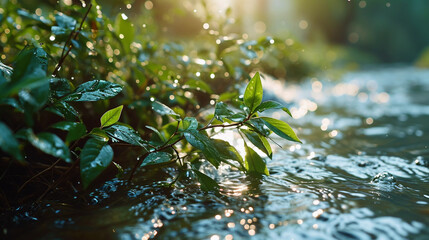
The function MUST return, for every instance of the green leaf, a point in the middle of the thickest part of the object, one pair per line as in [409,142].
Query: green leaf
[65,21]
[125,134]
[281,128]
[5,70]
[259,141]
[237,117]
[40,19]
[34,99]
[64,110]
[29,72]
[228,96]
[59,31]
[125,30]
[271,105]
[59,87]
[156,158]
[253,93]
[111,117]
[258,125]
[75,130]
[197,85]
[189,123]
[222,111]
[163,109]
[205,144]
[8,142]
[94,91]
[160,136]
[120,170]
[254,163]
[49,143]
[207,183]
[96,155]
[99,134]
[28,62]
[226,151]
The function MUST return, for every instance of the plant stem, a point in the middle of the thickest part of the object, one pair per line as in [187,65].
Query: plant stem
[38,174]
[69,44]
[64,176]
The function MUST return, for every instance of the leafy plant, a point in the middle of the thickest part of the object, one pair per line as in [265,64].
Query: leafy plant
[55,114]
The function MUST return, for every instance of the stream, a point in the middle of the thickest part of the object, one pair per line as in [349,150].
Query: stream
[362,172]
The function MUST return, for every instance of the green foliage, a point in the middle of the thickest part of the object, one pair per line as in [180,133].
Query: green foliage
[156,88]
[49,143]
[253,93]
[156,158]
[8,142]
[96,155]
[280,128]
[111,117]
[254,163]
[207,183]
[95,90]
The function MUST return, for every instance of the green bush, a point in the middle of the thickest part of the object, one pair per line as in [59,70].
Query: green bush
[55,114]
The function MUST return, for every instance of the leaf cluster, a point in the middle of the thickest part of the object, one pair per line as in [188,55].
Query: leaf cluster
[154,91]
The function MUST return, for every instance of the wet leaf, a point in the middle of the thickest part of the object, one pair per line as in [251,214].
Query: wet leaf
[189,123]
[258,125]
[271,105]
[111,117]
[8,142]
[205,144]
[49,143]
[125,134]
[254,163]
[94,91]
[65,21]
[6,70]
[163,109]
[222,111]
[253,93]
[207,183]
[281,128]
[259,141]
[226,151]
[29,72]
[59,87]
[75,130]
[96,155]
[99,134]
[160,136]
[64,110]
[34,99]
[156,158]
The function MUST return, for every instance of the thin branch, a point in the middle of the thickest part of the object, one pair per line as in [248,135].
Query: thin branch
[172,135]
[39,174]
[47,169]
[139,162]
[163,147]
[222,126]
[64,176]
[73,35]
[178,156]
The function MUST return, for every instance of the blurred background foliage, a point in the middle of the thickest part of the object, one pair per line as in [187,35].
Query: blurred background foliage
[336,33]
[190,54]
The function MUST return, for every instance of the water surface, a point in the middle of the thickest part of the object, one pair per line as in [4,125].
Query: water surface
[362,172]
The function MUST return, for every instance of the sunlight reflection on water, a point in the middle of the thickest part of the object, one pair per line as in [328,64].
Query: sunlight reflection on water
[361,173]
